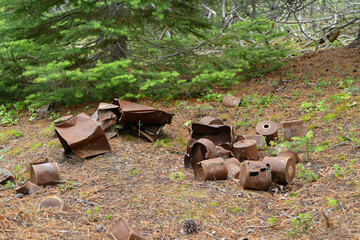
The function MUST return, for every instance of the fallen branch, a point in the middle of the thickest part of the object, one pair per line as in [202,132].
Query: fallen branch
[84,201]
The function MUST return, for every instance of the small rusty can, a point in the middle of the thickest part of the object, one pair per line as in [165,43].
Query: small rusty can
[211,169]
[233,170]
[293,128]
[255,175]
[289,153]
[282,169]
[28,188]
[231,101]
[246,150]
[122,231]
[53,202]
[202,149]
[211,121]
[260,139]
[233,161]
[268,129]
[45,173]
[222,152]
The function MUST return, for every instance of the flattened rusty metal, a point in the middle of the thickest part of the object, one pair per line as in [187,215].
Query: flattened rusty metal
[5,176]
[246,150]
[28,188]
[211,169]
[202,149]
[295,128]
[231,101]
[211,121]
[122,231]
[82,136]
[105,115]
[255,175]
[282,169]
[134,112]
[268,129]
[45,173]
[222,152]
[218,134]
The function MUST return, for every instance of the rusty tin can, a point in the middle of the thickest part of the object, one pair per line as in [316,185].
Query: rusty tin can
[260,139]
[211,121]
[222,152]
[28,188]
[45,173]
[233,170]
[268,129]
[233,161]
[211,169]
[53,202]
[122,231]
[255,175]
[246,150]
[295,128]
[289,153]
[202,149]
[231,101]
[282,169]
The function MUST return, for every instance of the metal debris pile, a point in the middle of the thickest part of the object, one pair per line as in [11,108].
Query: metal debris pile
[215,153]
[87,136]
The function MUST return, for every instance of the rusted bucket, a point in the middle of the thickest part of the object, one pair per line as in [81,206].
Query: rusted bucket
[246,150]
[230,101]
[211,169]
[211,121]
[255,175]
[45,173]
[268,129]
[282,169]
[294,128]
[289,153]
[122,231]
[202,149]
[28,188]
[53,202]
[260,139]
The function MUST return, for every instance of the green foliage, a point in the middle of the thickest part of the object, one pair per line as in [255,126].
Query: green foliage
[331,202]
[272,221]
[302,224]
[305,175]
[8,117]
[349,136]
[341,172]
[177,175]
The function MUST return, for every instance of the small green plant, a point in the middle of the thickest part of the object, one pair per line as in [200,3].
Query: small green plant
[162,142]
[187,123]
[93,214]
[331,202]
[86,108]
[349,136]
[139,128]
[302,224]
[341,172]
[66,185]
[272,221]
[177,176]
[54,116]
[245,123]
[8,117]
[305,175]
[307,107]
[209,96]
[18,170]
[32,112]
[10,184]
[321,106]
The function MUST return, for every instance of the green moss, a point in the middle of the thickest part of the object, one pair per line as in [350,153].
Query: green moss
[35,146]
[308,116]
[329,117]
[9,134]
[15,151]
[51,143]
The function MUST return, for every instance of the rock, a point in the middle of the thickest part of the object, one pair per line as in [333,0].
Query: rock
[99,228]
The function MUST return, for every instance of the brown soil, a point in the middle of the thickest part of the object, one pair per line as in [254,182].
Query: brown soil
[133,181]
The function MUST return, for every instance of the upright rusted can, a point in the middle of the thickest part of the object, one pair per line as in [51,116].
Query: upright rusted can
[255,175]
[45,173]
[211,169]
[246,150]
[268,129]
[289,153]
[282,169]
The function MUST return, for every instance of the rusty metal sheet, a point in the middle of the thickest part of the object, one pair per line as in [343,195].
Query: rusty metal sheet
[105,115]
[218,134]
[81,135]
[5,176]
[122,231]
[134,112]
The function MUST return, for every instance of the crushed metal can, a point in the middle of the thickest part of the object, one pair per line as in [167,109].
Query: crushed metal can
[200,150]
[28,188]
[255,175]
[81,135]
[282,169]
[260,139]
[289,153]
[295,128]
[5,176]
[122,231]
[218,134]
[211,169]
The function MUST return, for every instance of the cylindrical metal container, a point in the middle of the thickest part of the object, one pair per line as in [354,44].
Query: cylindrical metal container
[233,170]
[28,188]
[222,152]
[255,175]
[211,121]
[289,153]
[211,169]
[231,101]
[268,129]
[233,161]
[45,173]
[122,231]
[294,128]
[260,139]
[282,169]
[202,149]
[53,202]
[246,150]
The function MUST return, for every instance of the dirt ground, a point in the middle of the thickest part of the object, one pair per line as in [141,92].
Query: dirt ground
[146,183]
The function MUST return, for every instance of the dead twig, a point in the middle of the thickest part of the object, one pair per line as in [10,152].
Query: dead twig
[84,201]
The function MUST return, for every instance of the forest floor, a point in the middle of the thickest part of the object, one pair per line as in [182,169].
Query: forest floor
[146,183]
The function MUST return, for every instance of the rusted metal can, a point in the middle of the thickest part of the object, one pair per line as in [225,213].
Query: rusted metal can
[45,173]
[255,175]
[260,139]
[122,231]
[233,161]
[28,188]
[282,169]
[233,170]
[292,129]
[202,149]
[231,101]
[289,153]
[211,169]
[268,129]
[211,121]
[222,152]
[53,202]
[246,150]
